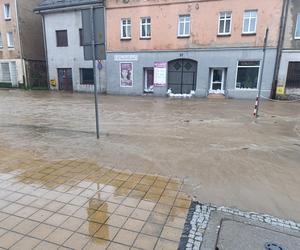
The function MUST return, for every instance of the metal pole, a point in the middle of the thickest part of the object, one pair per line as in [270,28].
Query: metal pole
[262,72]
[94,69]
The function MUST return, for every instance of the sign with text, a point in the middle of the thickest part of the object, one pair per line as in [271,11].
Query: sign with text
[126,58]
[160,74]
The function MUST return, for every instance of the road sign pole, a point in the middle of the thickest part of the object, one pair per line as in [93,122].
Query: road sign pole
[94,69]
[261,74]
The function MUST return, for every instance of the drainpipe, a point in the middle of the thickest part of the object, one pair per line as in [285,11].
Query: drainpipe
[283,21]
[23,59]
[45,50]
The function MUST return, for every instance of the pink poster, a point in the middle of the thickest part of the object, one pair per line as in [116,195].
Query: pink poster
[160,74]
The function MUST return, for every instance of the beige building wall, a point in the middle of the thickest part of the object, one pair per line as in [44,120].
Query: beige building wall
[204,23]
[9,26]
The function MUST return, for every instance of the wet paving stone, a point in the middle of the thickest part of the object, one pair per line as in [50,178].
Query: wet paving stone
[80,205]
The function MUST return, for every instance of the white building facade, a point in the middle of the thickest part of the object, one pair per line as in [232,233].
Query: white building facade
[67,69]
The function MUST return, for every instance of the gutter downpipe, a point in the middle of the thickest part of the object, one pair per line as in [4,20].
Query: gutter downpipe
[45,49]
[283,21]
[23,59]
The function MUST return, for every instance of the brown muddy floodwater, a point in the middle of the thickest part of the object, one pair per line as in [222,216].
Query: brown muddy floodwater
[223,156]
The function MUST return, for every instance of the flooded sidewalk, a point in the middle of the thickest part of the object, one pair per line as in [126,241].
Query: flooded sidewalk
[77,204]
[223,156]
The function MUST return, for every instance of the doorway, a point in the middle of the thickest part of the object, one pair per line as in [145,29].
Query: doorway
[217,79]
[148,80]
[182,75]
[65,81]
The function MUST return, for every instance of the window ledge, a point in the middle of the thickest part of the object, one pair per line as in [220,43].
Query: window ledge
[223,35]
[145,38]
[296,38]
[246,89]
[187,36]
[7,19]
[125,38]
[11,48]
[249,34]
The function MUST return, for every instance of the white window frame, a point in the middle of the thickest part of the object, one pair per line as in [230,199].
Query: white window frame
[248,31]
[225,19]
[1,41]
[297,26]
[10,40]
[7,11]
[184,26]
[147,26]
[237,71]
[127,26]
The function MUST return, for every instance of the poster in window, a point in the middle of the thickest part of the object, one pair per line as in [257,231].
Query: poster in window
[126,74]
[160,74]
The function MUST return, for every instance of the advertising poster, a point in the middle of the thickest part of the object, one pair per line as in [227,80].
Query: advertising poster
[126,74]
[160,74]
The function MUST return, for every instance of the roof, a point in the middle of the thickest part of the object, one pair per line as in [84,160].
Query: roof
[59,4]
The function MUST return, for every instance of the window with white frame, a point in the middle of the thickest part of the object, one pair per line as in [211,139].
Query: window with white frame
[297,29]
[145,29]
[10,40]
[125,28]
[7,14]
[224,23]
[250,21]
[247,74]
[1,41]
[184,25]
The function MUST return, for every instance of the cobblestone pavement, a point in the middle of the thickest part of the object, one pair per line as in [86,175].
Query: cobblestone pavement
[80,205]
[199,216]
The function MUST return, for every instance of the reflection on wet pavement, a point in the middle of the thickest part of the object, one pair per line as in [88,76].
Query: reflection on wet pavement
[79,205]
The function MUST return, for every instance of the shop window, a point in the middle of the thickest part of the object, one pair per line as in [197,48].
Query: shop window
[247,74]
[86,76]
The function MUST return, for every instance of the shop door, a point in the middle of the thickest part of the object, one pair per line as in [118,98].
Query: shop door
[182,75]
[217,81]
[149,79]
[65,81]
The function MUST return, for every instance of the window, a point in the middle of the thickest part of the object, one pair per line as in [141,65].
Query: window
[80,37]
[126,28]
[247,74]
[224,23]
[184,26]
[86,76]
[1,41]
[145,30]
[62,38]
[250,20]
[10,40]
[7,15]
[293,75]
[297,29]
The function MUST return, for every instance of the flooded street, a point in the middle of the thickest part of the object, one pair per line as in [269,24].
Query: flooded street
[215,147]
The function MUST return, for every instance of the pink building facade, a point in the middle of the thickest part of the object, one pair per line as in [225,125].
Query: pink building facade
[202,47]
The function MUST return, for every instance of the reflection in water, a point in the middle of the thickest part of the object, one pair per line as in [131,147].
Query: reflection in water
[98,192]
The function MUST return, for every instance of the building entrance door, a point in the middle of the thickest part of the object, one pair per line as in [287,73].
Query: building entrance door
[217,81]
[182,74]
[65,81]
[149,80]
